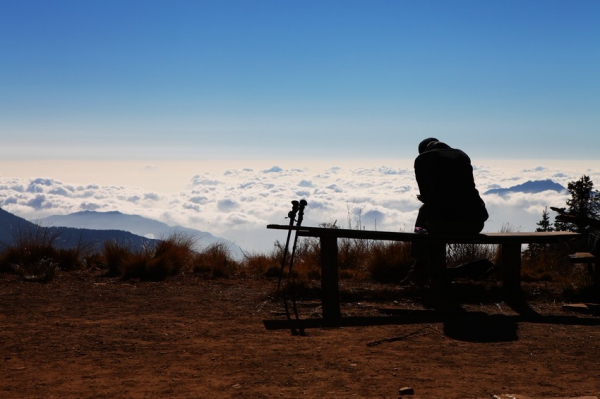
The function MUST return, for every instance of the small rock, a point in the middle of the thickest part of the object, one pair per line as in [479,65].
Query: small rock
[406,391]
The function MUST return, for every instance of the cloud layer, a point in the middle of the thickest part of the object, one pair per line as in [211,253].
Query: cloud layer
[237,204]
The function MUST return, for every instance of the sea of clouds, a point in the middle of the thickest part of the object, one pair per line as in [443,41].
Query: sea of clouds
[237,204]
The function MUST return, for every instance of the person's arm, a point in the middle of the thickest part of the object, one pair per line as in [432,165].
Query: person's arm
[422,179]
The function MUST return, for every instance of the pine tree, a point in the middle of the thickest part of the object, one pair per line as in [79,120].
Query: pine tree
[584,203]
[544,224]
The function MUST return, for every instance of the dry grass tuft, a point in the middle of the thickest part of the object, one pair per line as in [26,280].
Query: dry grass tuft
[215,261]
[116,257]
[389,262]
[34,256]
[385,262]
[550,263]
[267,265]
[168,257]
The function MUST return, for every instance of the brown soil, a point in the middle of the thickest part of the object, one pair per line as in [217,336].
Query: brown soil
[84,336]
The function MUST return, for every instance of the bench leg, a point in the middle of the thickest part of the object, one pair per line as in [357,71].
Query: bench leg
[330,289]
[511,267]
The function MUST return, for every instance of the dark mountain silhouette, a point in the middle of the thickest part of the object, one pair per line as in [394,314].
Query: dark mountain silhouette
[137,225]
[12,226]
[529,187]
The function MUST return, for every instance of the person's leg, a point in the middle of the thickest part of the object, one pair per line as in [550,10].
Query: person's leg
[438,272]
[418,273]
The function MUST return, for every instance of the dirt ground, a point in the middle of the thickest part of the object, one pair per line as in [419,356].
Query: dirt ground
[86,336]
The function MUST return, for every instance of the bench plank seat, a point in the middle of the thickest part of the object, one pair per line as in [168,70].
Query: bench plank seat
[582,257]
[483,238]
[591,261]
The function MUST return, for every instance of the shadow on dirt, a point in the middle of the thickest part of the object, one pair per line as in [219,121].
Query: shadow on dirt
[458,324]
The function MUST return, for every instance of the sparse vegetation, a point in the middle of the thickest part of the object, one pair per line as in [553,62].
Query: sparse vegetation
[33,255]
[389,262]
[169,257]
[215,261]
[550,262]
[267,265]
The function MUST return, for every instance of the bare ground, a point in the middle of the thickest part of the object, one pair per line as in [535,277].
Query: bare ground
[85,336]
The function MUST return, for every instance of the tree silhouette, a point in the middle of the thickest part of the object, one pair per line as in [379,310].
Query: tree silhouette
[583,204]
[544,224]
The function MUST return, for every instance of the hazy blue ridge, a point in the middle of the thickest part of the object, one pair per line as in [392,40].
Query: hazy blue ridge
[11,226]
[138,225]
[529,187]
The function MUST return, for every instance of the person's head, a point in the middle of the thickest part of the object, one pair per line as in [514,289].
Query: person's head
[423,144]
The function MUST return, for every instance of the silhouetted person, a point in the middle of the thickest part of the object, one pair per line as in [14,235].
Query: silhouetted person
[451,203]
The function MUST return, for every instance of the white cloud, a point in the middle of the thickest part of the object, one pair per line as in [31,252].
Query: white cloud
[204,180]
[88,206]
[305,183]
[241,202]
[274,169]
[536,169]
[227,205]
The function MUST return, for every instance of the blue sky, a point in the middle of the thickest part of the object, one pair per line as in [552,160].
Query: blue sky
[215,114]
[298,79]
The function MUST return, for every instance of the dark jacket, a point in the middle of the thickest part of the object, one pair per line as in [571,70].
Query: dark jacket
[447,186]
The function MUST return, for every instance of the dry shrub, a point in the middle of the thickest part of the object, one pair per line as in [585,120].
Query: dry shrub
[168,257]
[136,266]
[357,259]
[116,257]
[306,258]
[33,255]
[460,254]
[344,274]
[173,255]
[549,263]
[215,261]
[70,259]
[581,291]
[353,254]
[41,270]
[267,265]
[93,260]
[28,246]
[389,262]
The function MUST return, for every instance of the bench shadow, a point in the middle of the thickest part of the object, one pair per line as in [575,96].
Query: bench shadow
[458,324]
[480,327]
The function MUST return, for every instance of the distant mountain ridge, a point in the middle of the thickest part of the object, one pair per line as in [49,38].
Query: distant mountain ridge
[11,226]
[529,187]
[138,225]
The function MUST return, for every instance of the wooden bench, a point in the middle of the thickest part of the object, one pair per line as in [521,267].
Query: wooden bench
[510,253]
[591,261]
[589,258]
